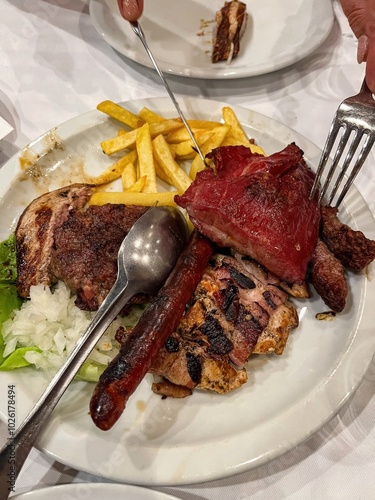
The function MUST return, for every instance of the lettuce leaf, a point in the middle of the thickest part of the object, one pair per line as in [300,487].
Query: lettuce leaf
[17,359]
[9,301]
[8,263]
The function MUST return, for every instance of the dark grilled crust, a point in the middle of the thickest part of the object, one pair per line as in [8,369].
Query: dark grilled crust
[86,247]
[35,229]
[352,248]
[327,275]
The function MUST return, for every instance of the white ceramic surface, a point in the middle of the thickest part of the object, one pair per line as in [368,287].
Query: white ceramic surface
[179,33]
[94,491]
[206,436]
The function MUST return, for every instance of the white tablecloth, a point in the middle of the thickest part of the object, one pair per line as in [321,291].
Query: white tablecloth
[54,66]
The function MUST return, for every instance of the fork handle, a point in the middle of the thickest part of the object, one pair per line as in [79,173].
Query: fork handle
[18,447]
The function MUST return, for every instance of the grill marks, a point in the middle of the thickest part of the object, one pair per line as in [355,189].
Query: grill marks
[230,311]
[57,238]
[35,230]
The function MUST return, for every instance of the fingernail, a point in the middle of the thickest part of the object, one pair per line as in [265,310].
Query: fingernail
[362,49]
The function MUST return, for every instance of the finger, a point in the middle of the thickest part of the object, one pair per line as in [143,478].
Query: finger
[355,11]
[131,10]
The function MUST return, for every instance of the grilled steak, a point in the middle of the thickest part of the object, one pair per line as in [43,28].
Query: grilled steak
[35,230]
[232,315]
[259,206]
[327,276]
[85,250]
[57,238]
[352,248]
[230,25]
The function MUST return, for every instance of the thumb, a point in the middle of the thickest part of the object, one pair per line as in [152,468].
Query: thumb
[131,10]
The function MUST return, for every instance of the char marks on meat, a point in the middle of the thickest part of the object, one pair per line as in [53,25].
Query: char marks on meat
[352,248]
[327,276]
[258,206]
[35,230]
[57,238]
[230,24]
[85,250]
[232,315]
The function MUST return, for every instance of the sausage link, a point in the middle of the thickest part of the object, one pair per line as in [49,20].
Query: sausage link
[157,323]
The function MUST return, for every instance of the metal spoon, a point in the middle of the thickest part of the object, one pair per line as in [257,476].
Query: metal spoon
[145,259]
[140,34]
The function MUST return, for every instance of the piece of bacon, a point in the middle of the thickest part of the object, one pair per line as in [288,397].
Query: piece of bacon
[157,323]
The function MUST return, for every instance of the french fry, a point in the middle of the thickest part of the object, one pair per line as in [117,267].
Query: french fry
[170,168]
[231,141]
[144,199]
[115,171]
[121,114]
[128,176]
[181,135]
[149,116]
[186,149]
[207,124]
[236,130]
[217,137]
[146,159]
[127,140]
[161,174]
[138,186]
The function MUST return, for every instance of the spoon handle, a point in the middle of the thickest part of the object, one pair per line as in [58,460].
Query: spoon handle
[17,448]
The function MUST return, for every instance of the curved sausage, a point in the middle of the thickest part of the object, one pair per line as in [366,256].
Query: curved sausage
[157,323]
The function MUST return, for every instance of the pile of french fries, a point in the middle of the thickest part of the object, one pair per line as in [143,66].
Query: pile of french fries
[160,147]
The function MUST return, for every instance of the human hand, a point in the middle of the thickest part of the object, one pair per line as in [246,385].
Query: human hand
[361,17]
[131,10]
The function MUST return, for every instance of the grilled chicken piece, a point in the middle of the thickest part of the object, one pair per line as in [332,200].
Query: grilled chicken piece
[167,389]
[35,233]
[267,278]
[231,22]
[232,315]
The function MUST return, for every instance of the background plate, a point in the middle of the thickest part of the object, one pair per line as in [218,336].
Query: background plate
[179,33]
[206,436]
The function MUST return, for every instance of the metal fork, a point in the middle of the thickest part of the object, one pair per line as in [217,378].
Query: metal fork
[356,117]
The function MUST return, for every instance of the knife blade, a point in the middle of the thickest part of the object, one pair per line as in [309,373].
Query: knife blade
[140,34]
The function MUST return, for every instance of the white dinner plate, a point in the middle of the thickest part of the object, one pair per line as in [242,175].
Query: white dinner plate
[179,33]
[205,436]
[94,491]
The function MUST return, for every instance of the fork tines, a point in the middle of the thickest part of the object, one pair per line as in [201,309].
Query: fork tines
[355,120]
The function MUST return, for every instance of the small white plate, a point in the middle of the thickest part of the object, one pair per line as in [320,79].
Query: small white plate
[205,436]
[179,33]
[94,491]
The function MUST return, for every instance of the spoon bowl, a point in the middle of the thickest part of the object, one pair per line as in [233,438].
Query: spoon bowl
[152,246]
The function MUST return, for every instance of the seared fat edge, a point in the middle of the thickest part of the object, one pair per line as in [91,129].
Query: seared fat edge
[35,229]
[232,315]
